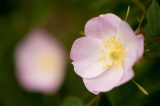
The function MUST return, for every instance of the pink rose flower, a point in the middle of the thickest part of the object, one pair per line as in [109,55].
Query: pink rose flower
[40,62]
[105,56]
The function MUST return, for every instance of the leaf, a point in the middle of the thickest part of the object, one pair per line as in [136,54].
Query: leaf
[72,101]
[153,19]
[104,101]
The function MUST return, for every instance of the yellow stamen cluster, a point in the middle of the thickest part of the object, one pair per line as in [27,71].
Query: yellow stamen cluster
[112,53]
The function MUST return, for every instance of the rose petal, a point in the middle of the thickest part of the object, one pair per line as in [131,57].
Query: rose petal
[140,45]
[134,44]
[129,59]
[128,75]
[88,68]
[103,26]
[105,81]
[84,47]
[85,53]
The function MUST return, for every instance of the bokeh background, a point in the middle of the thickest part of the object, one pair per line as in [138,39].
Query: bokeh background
[65,20]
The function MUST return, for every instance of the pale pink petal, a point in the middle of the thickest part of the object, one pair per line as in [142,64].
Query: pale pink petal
[85,53]
[85,47]
[128,75]
[88,68]
[129,59]
[134,44]
[140,47]
[103,26]
[104,82]
[113,19]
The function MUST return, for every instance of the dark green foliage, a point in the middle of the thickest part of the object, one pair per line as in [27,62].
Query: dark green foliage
[153,23]
[72,101]
[104,101]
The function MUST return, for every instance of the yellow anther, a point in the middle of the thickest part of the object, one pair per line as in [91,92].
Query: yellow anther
[112,52]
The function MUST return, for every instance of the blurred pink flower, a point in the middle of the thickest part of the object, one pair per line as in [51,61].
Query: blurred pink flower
[105,56]
[40,62]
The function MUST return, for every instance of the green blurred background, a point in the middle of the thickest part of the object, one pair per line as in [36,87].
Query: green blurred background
[65,19]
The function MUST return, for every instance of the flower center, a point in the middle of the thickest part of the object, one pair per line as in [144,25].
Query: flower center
[112,52]
[47,62]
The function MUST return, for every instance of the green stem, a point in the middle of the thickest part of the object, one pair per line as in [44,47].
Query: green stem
[90,103]
[139,25]
[140,88]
